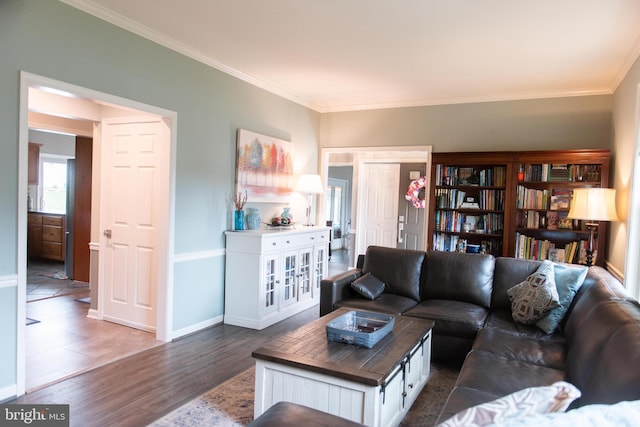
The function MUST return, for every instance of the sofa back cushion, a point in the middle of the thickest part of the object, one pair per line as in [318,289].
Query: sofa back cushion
[509,272]
[459,276]
[399,269]
[615,375]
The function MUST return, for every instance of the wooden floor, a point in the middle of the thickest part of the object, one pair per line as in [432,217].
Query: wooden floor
[139,389]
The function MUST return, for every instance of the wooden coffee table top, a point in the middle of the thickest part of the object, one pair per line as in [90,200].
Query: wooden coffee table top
[308,348]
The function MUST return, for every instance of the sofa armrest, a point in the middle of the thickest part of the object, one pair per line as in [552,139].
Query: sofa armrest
[336,288]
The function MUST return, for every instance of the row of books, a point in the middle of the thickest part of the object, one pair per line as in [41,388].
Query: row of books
[550,220]
[453,198]
[495,176]
[530,248]
[452,221]
[530,198]
[559,172]
[449,242]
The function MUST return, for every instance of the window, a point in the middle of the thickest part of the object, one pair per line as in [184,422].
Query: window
[54,185]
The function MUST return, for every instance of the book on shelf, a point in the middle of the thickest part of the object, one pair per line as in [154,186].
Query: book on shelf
[556,254]
[552,220]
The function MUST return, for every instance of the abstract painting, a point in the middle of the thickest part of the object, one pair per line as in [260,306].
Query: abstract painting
[264,167]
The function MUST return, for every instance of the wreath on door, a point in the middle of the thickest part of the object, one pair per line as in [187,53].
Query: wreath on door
[413,192]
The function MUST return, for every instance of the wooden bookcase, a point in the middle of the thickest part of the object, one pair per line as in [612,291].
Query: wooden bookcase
[513,201]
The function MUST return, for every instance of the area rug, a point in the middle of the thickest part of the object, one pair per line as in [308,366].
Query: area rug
[86,300]
[231,403]
[57,275]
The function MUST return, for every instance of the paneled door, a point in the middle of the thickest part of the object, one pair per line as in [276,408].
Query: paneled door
[378,205]
[134,203]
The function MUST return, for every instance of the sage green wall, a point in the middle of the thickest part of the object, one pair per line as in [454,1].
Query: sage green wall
[625,150]
[51,39]
[542,124]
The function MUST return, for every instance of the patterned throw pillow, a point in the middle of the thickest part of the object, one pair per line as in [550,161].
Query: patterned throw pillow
[532,299]
[369,286]
[529,401]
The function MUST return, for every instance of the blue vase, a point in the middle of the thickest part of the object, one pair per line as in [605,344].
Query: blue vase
[253,219]
[238,220]
[286,213]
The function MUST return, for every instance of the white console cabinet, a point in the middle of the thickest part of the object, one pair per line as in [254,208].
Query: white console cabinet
[273,274]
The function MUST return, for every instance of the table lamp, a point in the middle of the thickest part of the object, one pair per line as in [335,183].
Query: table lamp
[309,185]
[593,204]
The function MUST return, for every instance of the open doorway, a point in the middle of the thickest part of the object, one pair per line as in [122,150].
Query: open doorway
[37,94]
[355,160]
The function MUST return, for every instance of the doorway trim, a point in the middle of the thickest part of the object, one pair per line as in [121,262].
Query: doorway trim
[355,156]
[164,324]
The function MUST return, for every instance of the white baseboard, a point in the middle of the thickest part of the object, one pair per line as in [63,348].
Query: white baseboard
[198,326]
[614,271]
[93,314]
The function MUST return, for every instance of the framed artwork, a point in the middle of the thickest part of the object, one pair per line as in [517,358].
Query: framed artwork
[264,167]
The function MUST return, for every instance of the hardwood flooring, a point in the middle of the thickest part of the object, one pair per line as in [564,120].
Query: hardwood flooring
[134,390]
[139,389]
[65,342]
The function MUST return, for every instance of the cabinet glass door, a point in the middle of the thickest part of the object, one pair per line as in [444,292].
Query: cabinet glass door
[270,281]
[289,272]
[304,274]
[320,260]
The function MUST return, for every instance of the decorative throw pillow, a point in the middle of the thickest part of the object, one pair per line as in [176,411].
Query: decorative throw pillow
[535,297]
[621,414]
[369,286]
[529,401]
[569,279]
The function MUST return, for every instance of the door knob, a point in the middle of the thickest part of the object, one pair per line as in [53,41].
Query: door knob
[107,233]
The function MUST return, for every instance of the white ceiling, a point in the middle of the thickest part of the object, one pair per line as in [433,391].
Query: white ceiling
[340,55]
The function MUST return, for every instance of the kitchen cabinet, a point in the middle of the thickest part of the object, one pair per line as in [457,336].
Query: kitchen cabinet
[46,236]
[273,274]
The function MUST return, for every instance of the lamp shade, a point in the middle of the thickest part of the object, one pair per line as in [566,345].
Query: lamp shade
[309,184]
[594,204]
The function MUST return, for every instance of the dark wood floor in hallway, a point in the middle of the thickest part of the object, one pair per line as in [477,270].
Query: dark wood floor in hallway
[139,389]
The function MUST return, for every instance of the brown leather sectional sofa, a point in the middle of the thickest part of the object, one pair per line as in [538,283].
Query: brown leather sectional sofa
[596,346]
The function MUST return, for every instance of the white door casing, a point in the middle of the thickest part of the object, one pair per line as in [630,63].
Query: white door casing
[378,205]
[134,201]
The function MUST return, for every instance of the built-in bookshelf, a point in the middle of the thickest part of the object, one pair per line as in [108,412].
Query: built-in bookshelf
[514,203]
[469,194]
[545,184]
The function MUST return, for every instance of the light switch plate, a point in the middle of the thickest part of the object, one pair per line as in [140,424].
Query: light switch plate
[414,175]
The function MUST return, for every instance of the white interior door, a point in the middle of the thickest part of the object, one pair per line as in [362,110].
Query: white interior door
[378,205]
[134,201]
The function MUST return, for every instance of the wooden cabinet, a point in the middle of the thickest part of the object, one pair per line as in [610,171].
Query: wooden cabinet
[33,163]
[34,235]
[271,275]
[470,198]
[46,236]
[514,203]
[544,185]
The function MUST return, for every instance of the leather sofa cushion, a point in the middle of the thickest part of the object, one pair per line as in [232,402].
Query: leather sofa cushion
[504,321]
[508,273]
[456,318]
[462,398]
[587,341]
[486,371]
[385,303]
[615,376]
[287,414]
[399,269]
[524,348]
[459,277]
[598,286]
